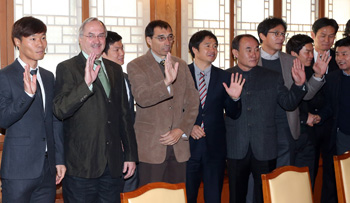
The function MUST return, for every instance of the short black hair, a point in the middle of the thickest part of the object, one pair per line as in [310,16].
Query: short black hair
[324,22]
[237,40]
[27,26]
[347,29]
[268,24]
[111,38]
[345,42]
[149,31]
[198,38]
[297,42]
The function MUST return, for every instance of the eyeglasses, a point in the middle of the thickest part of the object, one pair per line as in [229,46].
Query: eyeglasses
[162,38]
[278,34]
[92,36]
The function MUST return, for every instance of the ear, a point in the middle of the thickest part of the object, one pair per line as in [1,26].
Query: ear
[17,42]
[195,51]
[294,54]
[313,35]
[262,36]
[149,41]
[235,53]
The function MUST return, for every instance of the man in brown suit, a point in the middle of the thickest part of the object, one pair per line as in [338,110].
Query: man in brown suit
[167,106]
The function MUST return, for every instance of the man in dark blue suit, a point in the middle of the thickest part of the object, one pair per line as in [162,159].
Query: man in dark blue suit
[32,161]
[208,141]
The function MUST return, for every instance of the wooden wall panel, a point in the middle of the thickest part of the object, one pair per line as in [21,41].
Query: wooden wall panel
[169,11]
[6,22]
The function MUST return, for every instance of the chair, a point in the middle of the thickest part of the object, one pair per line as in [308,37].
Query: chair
[342,176]
[157,192]
[287,184]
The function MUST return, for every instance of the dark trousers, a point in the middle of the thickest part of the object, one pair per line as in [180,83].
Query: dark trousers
[104,189]
[211,171]
[325,145]
[239,170]
[170,171]
[305,154]
[38,190]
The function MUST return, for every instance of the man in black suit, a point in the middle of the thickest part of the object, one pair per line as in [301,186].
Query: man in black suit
[208,142]
[324,31]
[91,100]
[114,51]
[337,96]
[252,138]
[32,160]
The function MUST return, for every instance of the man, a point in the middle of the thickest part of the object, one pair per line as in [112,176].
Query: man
[252,138]
[32,160]
[324,31]
[208,136]
[167,106]
[272,33]
[301,47]
[92,101]
[114,51]
[337,94]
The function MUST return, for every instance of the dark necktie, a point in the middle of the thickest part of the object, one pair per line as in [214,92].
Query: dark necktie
[162,62]
[103,78]
[38,89]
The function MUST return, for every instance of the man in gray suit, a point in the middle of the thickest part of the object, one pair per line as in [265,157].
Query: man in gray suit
[91,100]
[252,138]
[32,160]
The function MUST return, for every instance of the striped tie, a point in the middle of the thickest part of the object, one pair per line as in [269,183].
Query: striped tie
[202,92]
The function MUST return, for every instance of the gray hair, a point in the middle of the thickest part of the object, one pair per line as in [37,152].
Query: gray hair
[88,20]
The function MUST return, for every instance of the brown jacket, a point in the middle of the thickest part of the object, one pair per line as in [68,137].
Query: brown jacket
[159,111]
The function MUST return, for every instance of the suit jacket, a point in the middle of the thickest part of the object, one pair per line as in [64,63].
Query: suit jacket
[159,111]
[214,143]
[130,98]
[312,86]
[262,92]
[28,129]
[93,124]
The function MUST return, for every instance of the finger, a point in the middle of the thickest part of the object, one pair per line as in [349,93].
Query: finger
[225,86]
[243,81]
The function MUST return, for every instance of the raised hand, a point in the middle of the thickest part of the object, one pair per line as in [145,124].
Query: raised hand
[298,72]
[321,64]
[236,86]
[29,84]
[170,70]
[90,73]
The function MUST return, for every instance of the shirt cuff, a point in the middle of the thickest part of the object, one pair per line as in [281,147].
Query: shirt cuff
[318,79]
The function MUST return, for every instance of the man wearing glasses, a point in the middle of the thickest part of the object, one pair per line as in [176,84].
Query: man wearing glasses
[272,33]
[91,100]
[167,106]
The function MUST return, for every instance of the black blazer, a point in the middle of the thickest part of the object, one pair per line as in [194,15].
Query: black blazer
[214,144]
[28,129]
[94,125]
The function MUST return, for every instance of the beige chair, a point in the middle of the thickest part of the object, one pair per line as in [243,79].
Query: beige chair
[158,192]
[342,176]
[287,184]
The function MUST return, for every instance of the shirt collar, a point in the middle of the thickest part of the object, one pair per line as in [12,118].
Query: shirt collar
[87,56]
[267,56]
[344,73]
[157,58]
[198,71]
[23,64]
[316,54]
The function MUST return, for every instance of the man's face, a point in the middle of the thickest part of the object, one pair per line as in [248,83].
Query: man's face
[306,54]
[342,57]
[274,39]
[161,42]
[248,53]
[324,38]
[93,39]
[32,48]
[207,51]
[116,53]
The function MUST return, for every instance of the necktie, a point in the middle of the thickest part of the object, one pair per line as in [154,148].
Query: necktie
[38,89]
[103,78]
[162,62]
[202,92]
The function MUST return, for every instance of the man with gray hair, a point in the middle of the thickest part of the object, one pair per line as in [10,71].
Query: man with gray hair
[91,100]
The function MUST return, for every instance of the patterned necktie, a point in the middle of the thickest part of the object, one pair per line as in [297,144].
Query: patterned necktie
[202,92]
[38,89]
[103,78]
[162,62]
